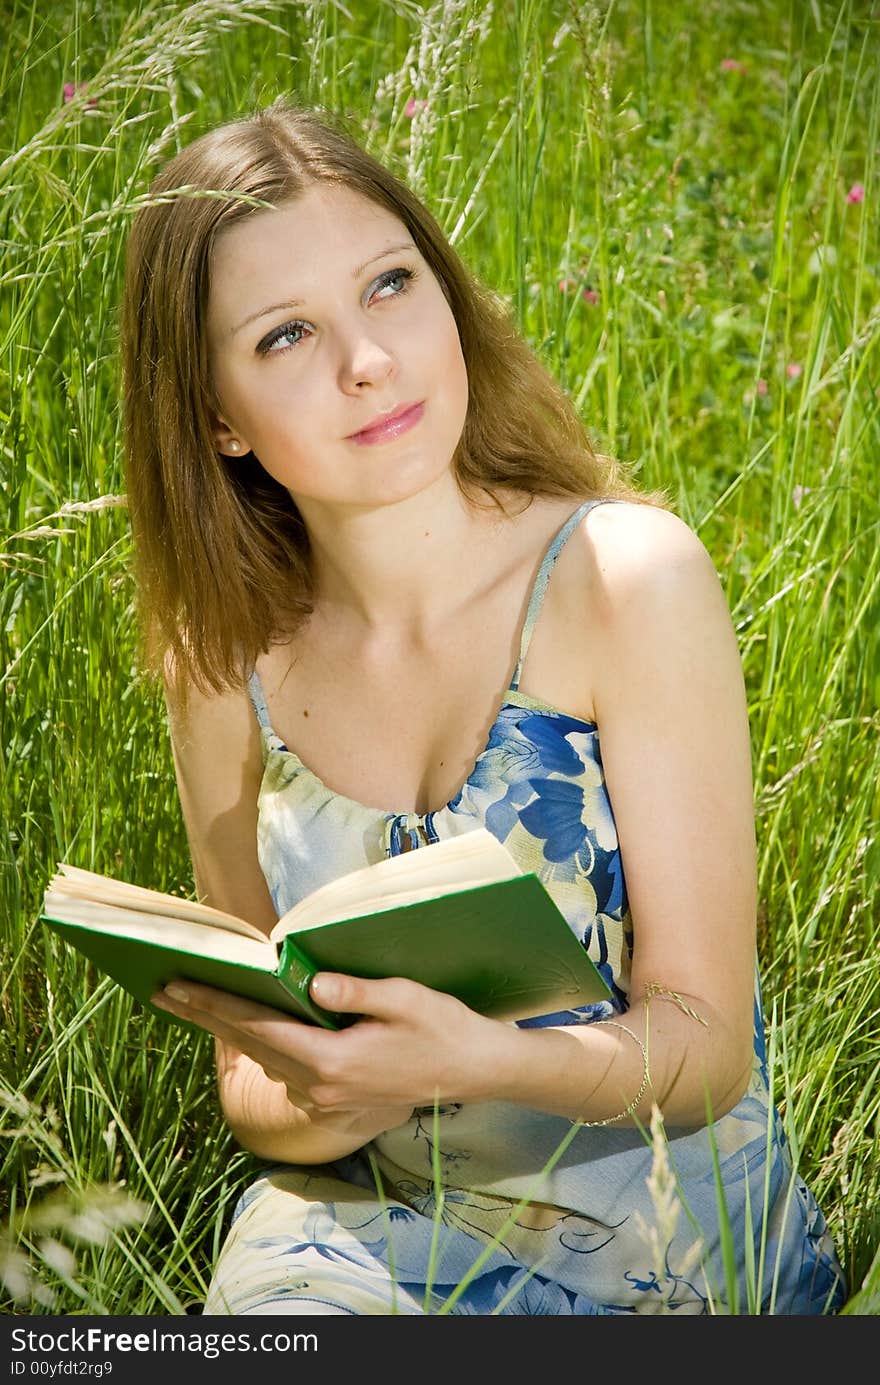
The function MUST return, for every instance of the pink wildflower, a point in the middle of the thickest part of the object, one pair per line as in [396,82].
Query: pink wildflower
[70,89]
[732,65]
[856,193]
[590,296]
[793,370]
[762,388]
[564,285]
[412,106]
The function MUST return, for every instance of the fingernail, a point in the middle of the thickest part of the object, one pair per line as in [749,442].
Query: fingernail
[324,989]
[177,993]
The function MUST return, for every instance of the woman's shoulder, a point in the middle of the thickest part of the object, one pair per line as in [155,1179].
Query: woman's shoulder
[657,605]
[606,597]
[198,714]
[632,535]
[622,552]
[632,577]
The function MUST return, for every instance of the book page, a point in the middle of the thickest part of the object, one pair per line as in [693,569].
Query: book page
[161,930]
[460,863]
[76,883]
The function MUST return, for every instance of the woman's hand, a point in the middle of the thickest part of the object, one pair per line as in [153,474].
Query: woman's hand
[409,1047]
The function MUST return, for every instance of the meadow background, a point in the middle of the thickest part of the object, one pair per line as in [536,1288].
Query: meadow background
[679,205]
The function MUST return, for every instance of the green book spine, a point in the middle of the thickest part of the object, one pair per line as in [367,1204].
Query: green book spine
[295,972]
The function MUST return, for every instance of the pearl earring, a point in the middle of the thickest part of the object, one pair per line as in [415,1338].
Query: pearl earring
[234,446]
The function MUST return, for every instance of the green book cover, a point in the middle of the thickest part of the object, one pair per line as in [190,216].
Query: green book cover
[504,949]
[500,945]
[142,966]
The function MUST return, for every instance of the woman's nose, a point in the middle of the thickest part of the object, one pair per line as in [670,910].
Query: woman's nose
[365,359]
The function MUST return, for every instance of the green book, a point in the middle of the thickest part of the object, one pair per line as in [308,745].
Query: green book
[458,916]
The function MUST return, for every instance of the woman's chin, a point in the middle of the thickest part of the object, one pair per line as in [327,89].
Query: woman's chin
[406,478]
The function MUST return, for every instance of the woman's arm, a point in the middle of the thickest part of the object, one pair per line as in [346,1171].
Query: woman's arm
[218,765]
[670,703]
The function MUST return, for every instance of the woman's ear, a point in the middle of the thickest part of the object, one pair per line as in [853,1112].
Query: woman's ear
[227,441]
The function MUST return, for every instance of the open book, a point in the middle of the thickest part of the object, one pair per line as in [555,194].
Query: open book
[458,916]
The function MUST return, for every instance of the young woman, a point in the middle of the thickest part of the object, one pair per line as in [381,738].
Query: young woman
[394,596]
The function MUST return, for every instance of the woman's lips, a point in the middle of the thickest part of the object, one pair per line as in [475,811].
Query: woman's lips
[384,432]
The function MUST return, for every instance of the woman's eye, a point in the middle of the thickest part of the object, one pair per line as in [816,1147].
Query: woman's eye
[404,275]
[269,345]
[266,346]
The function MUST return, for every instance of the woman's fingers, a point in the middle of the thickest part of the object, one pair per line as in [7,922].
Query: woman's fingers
[183,996]
[270,1038]
[390,998]
[231,1016]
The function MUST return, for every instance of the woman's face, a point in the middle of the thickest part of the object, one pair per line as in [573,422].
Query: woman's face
[322,315]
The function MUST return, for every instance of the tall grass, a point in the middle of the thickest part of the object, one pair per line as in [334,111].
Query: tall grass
[679,204]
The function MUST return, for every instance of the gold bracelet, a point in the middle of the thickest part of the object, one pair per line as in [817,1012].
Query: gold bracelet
[609,1120]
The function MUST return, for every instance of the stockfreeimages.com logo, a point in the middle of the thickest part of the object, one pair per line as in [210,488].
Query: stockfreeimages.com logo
[97,1341]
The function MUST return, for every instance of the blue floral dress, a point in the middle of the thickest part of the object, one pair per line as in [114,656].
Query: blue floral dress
[495,1208]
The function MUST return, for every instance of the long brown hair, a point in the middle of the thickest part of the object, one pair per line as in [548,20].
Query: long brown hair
[221,556]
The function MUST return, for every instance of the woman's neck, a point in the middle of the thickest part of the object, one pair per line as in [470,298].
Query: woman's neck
[405,566]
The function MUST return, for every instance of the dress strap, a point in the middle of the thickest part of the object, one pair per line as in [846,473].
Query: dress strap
[255,689]
[537,597]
